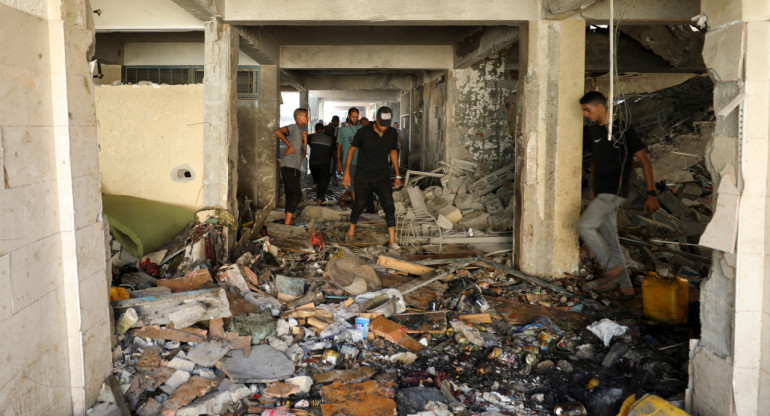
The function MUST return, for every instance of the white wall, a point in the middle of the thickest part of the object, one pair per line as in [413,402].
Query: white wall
[54,316]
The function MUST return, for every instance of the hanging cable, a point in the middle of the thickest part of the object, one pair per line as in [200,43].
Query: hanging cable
[611,101]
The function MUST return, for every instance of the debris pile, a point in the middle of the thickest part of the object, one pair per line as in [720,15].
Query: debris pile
[279,325]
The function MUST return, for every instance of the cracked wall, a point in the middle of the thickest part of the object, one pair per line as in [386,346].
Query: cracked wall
[481,99]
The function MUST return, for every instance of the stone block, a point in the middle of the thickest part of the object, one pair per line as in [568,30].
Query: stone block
[5,281]
[35,270]
[463,201]
[492,204]
[90,250]
[444,222]
[87,200]
[93,291]
[723,52]
[712,383]
[436,204]
[29,214]
[451,213]
[475,219]
[29,155]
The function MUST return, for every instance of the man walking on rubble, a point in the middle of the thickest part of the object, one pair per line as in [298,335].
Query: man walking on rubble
[294,137]
[374,143]
[320,151]
[611,171]
[344,141]
[332,129]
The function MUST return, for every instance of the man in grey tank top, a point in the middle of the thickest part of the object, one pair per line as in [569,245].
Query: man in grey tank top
[294,137]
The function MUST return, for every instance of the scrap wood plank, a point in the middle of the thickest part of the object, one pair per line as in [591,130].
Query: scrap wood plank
[290,238]
[195,387]
[419,323]
[521,275]
[353,375]
[181,309]
[520,313]
[429,278]
[145,382]
[395,333]
[472,240]
[169,334]
[476,318]
[304,311]
[192,281]
[403,266]
[249,235]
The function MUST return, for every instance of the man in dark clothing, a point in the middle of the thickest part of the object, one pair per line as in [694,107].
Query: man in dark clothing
[374,143]
[331,130]
[611,170]
[320,150]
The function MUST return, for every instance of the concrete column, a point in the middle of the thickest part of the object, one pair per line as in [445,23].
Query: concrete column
[548,156]
[751,373]
[266,149]
[220,134]
[304,100]
[731,365]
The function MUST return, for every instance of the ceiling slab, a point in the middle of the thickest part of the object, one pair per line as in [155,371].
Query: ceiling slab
[394,12]
[367,57]
[142,16]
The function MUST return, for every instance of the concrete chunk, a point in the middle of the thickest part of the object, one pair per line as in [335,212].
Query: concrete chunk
[451,213]
[208,353]
[181,364]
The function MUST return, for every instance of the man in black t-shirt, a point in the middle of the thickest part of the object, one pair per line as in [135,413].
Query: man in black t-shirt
[611,171]
[331,130]
[320,158]
[375,143]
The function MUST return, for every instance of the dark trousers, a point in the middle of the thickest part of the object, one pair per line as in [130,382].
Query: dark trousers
[384,191]
[321,177]
[291,188]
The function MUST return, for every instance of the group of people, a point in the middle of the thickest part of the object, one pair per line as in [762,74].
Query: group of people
[376,144]
[361,150]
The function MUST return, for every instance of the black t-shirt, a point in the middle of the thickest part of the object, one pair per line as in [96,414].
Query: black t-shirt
[612,157]
[373,153]
[320,149]
[331,131]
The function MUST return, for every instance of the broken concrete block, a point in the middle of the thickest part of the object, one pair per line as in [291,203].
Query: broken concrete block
[444,222]
[181,364]
[463,201]
[208,353]
[436,204]
[259,325]
[451,213]
[216,404]
[492,204]
[474,219]
[264,364]
[181,309]
[500,222]
[485,185]
[303,382]
[177,379]
[477,205]
[232,277]
[505,195]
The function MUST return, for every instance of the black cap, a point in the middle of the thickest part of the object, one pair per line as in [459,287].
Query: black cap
[385,116]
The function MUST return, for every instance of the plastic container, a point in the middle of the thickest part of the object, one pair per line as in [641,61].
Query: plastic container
[651,405]
[665,300]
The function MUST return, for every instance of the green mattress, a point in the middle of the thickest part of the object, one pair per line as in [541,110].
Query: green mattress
[141,225]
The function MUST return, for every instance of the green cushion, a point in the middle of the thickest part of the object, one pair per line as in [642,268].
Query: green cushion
[141,225]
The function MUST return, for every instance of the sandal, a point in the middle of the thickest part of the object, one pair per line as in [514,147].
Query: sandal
[609,280]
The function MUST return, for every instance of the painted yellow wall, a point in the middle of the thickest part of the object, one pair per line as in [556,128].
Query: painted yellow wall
[145,131]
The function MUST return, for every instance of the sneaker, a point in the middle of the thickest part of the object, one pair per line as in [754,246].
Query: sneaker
[394,246]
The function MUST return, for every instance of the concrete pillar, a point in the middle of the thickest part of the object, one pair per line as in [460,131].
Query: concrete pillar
[751,373]
[266,149]
[548,155]
[220,134]
[304,100]
[731,364]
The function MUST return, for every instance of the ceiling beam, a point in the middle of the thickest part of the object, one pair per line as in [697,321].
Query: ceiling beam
[357,82]
[394,12]
[366,57]
[259,44]
[647,11]
[202,10]
[293,79]
[483,43]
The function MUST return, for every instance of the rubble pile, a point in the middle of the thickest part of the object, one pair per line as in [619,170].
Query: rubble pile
[293,322]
